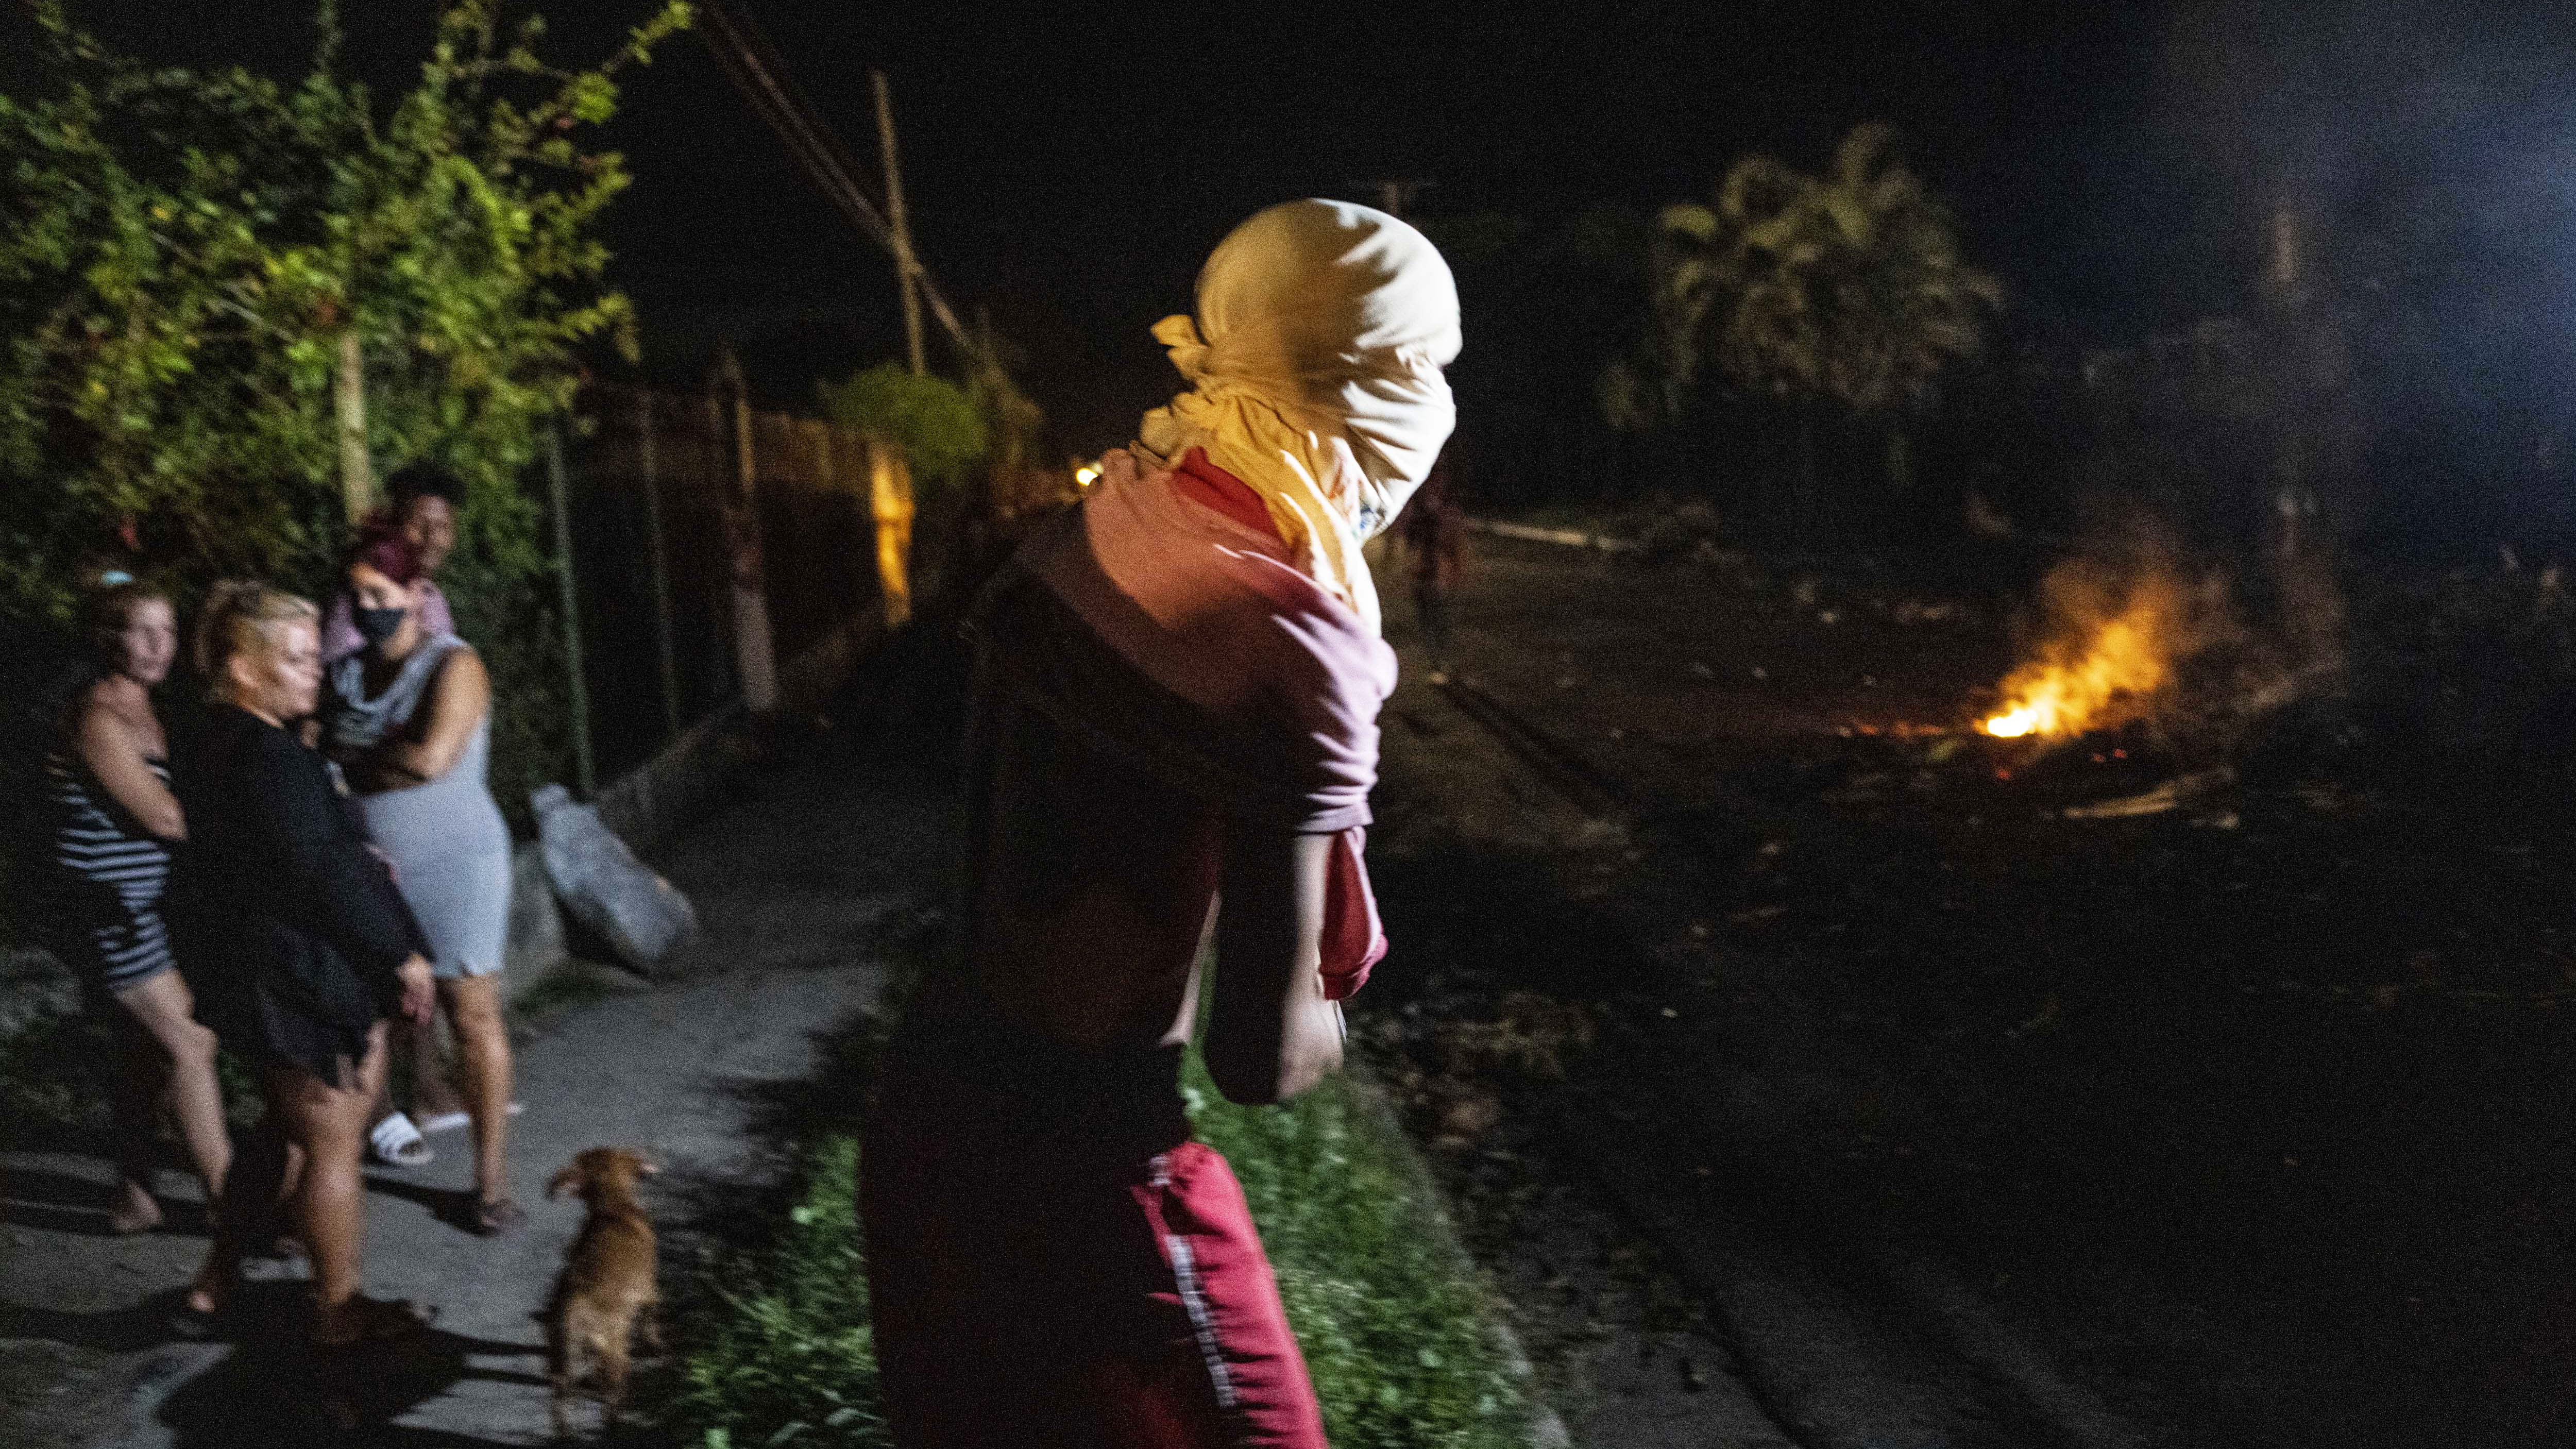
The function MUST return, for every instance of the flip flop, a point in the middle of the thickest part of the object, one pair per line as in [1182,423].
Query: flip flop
[450,1121]
[395,1142]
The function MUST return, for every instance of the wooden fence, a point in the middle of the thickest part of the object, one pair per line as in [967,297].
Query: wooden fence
[709,543]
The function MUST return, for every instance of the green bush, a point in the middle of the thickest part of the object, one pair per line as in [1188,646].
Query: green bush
[183,255]
[937,425]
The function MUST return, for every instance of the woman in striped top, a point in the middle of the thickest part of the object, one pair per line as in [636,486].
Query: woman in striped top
[115,822]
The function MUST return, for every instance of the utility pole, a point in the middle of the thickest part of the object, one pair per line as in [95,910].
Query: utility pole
[907,266]
[760,74]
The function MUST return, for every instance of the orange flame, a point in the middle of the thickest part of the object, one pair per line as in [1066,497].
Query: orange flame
[2106,667]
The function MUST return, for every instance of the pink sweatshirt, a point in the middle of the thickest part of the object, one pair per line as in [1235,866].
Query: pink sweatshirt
[1186,580]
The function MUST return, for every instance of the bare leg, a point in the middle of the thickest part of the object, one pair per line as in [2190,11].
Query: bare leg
[330,1124]
[433,1093]
[483,1045]
[256,1188]
[133,1092]
[433,1082]
[179,1055]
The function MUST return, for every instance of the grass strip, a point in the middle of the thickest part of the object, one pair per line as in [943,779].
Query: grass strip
[1396,1333]
[783,1352]
[1384,1303]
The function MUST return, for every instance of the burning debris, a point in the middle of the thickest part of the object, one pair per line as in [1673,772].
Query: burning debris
[2127,637]
[2114,638]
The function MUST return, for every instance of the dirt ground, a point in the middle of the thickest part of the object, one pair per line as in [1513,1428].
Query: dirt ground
[1946,1117]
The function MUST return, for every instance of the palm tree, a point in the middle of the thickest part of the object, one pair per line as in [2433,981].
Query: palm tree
[1844,291]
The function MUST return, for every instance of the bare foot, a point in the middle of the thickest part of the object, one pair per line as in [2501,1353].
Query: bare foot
[135,1213]
[212,1290]
[364,1320]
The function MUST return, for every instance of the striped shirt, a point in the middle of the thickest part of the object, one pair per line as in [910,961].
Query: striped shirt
[117,872]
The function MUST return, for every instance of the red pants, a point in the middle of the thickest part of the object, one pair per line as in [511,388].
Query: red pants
[1042,1278]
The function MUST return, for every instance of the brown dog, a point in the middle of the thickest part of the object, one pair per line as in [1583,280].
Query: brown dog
[607,1282]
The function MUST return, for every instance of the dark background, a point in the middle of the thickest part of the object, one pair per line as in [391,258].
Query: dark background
[2113,162]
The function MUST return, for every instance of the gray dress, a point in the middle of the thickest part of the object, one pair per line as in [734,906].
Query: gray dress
[450,849]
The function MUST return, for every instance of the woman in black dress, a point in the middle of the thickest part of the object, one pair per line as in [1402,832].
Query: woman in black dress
[301,947]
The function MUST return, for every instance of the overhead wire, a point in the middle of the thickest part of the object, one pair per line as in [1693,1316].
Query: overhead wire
[754,67]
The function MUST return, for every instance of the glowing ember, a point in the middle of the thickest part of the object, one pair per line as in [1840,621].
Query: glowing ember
[2012,724]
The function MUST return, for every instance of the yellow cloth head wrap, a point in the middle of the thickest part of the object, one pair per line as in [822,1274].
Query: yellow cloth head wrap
[1314,367]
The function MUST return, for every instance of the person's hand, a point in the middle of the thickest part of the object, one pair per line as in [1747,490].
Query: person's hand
[419,989]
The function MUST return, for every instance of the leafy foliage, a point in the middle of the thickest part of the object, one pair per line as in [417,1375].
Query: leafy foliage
[938,426]
[182,254]
[1847,288]
[789,1356]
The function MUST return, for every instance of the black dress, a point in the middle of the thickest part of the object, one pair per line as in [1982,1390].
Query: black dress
[289,928]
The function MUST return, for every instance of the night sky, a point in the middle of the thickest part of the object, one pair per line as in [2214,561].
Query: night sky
[1070,169]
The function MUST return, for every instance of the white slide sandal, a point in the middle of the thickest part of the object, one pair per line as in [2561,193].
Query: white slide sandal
[395,1142]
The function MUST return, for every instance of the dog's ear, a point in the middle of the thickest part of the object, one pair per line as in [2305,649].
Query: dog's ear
[569,1177]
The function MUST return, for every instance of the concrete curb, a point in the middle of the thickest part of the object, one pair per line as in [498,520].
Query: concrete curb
[1546,1427]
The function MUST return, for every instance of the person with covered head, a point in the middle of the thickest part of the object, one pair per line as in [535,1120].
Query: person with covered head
[299,946]
[1172,740]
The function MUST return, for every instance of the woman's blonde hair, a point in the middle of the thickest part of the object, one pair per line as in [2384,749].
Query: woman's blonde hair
[242,615]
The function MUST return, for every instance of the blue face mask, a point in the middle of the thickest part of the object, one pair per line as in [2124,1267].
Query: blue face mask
[378,625]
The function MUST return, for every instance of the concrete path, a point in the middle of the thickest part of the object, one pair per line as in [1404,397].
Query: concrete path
[793,878]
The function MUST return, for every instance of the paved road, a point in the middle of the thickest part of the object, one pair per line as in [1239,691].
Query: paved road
[1965,1118]
[1515,855]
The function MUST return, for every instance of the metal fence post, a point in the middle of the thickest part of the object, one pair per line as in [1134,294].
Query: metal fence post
[649,466]
[585,768]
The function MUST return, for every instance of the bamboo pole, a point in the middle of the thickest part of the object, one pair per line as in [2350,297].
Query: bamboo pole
[585,767]
[648,464]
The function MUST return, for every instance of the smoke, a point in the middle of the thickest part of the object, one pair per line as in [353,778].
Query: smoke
[2130,631]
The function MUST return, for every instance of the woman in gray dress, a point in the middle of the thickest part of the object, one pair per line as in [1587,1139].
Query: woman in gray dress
[410,721]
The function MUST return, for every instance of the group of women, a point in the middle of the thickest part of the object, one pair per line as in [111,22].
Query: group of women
[312,856]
